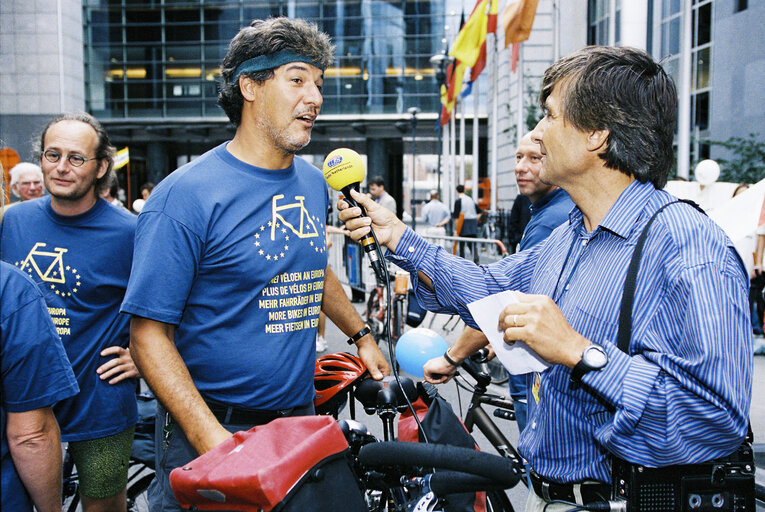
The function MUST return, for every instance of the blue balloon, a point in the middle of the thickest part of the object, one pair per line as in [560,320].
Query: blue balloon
[416,347]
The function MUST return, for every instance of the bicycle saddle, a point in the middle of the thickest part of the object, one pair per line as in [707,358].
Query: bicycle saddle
[385,393]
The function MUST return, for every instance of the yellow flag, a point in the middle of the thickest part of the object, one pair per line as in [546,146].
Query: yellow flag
[122,158]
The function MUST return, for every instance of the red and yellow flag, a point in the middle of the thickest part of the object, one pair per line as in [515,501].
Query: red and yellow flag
[469,51]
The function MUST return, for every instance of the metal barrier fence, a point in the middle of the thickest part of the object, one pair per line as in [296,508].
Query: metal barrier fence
[481,250]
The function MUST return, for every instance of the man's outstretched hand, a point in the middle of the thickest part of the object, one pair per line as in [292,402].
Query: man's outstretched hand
[387,227]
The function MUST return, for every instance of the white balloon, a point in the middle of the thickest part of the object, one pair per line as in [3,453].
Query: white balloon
[707,172]
[138,205]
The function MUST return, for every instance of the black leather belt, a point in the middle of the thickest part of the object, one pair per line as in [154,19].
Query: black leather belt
[232,415]
[590,491]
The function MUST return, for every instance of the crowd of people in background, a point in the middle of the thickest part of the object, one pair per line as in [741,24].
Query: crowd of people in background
[180,289]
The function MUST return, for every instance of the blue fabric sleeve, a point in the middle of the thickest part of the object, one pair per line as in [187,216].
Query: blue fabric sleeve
[170,282]
[35,370]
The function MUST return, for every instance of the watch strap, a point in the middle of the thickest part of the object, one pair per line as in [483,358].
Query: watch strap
[356,337]
[578,371]
[450,360]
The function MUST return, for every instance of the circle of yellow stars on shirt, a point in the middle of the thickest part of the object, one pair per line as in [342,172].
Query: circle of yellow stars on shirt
[281,245]
[55,273]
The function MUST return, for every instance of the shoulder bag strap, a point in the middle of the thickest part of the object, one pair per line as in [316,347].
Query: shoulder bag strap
[625,315]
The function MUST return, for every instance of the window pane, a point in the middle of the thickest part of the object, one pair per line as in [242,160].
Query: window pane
[701,108]
[703,61]
[704,32]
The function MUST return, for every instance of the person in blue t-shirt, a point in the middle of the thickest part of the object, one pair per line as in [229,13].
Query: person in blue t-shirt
[230,267]
[78,249]
[35,375]
[549,209]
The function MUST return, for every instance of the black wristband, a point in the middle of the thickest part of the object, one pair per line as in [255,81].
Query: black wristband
[450,360]
[356,337]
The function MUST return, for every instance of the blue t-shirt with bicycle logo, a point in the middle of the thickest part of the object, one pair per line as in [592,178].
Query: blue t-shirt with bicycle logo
[234,256]
[81,264]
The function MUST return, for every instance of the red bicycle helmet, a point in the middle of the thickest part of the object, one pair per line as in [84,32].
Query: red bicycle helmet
[333,377]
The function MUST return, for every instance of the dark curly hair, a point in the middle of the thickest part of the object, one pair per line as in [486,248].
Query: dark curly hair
[624,91]
[265,37]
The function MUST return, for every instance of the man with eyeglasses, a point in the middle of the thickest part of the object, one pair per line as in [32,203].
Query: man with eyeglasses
[27,181]
[78,249]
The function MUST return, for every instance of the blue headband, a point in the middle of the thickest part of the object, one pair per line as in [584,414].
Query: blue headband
[272,61]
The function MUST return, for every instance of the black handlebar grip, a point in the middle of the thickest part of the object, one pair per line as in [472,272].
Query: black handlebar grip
[391,453]
[452,482]
[505,415]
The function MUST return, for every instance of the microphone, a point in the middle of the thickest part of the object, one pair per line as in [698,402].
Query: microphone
[343,171]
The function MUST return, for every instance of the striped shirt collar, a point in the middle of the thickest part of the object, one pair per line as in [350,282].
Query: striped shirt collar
[622,217]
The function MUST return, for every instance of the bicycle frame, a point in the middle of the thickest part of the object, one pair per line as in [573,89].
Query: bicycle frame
[476,416]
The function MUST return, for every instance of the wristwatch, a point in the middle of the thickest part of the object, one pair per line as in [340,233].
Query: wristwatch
[594,358]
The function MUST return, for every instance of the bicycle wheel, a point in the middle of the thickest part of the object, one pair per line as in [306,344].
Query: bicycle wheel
[372,315]
[71,487]
[138,486]
[397,329]
[71,502]
[497,501]
[496,371]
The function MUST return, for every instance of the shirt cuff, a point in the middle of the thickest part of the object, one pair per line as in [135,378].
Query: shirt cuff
[412,255]
[615,371]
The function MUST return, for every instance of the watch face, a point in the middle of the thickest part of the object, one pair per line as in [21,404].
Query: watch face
[595,357]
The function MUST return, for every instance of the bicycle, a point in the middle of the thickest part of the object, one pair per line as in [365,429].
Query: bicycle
[377,306]
[493,367]
[340,380]
[140,470]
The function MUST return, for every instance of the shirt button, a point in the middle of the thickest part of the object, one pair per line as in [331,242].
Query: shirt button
[568,286]
[584,243]
[534,424]
[411,249]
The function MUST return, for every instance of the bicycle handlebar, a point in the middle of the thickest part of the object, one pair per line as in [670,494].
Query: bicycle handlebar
[454,482]
[497,471]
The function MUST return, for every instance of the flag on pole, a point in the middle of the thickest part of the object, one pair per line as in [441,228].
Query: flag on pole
[515,55]
[122,158]
[517,19]
[491,28]
[467,49]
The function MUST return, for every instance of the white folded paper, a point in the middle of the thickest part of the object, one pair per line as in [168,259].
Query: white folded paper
[518,358]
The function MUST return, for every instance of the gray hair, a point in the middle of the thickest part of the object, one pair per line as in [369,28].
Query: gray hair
[624,91]
[22,168]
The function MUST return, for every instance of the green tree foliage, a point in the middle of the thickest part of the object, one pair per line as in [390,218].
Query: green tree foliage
[747,164]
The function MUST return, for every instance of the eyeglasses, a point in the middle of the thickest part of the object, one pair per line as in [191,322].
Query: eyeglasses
[74,159]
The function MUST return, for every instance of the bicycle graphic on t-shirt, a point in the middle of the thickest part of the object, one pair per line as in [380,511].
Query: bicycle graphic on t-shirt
[49,267]
[288,220]
[306,227]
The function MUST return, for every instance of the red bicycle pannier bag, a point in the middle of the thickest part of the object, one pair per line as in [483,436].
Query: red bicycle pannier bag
[290,464]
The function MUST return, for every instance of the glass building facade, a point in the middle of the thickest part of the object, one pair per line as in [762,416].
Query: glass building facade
[162,58]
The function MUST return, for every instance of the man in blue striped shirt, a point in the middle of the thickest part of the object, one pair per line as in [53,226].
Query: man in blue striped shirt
[683,392]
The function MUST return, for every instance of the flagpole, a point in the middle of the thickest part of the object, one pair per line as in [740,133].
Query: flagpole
[444,159]
[475,128]
[520,132]
[612,22]
[127,180]
[556,30]
[452,145]
[462,140]
[684,96]
[492,50]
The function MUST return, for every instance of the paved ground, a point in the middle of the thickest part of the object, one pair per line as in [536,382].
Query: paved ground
[336,342]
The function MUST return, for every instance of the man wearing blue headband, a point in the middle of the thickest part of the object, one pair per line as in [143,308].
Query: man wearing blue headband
[230,267]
